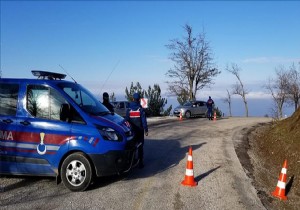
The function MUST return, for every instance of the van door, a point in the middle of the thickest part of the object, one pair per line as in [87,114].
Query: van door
[44,133]
[8,109]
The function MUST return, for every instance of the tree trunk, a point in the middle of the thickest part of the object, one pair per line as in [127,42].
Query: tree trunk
[230,114]
[246,107]
[191,95]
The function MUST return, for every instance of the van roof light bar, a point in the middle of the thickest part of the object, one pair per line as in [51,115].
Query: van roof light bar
[48,75]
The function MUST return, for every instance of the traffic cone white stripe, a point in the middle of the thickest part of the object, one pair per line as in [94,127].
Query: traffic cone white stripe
[190,158]
[281,184]
[189,172]
[283,170]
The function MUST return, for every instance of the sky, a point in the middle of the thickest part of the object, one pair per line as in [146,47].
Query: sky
[106,45]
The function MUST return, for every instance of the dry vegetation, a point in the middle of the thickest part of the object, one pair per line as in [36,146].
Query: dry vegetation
[270,145]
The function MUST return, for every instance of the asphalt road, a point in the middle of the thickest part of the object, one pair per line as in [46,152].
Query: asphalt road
[222,181]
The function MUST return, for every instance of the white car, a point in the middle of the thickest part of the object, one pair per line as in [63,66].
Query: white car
[191,109]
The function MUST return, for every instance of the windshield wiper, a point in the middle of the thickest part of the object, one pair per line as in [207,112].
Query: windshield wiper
[102,113]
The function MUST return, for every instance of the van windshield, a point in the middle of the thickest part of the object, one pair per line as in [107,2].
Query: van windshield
[84,99]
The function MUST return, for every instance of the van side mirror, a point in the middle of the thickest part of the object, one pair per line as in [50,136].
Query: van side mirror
[64,112]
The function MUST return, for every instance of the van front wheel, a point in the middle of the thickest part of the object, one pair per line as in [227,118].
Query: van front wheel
[76,172]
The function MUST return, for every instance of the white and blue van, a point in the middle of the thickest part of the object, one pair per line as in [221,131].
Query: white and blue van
[53,127]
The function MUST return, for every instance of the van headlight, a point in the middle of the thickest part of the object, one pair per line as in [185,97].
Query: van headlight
[109,134]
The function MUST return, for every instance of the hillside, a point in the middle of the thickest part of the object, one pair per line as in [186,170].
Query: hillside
[270,145]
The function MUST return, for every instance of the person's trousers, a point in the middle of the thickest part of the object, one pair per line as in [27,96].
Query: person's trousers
[209,113]
[139,136]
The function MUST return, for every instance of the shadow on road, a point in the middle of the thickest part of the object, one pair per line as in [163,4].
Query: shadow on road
[160,155]
[23,181]
[289,185]
[202,176]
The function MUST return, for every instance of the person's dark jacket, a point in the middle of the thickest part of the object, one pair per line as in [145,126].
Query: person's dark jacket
[108,106]
[210,103]
[138,123]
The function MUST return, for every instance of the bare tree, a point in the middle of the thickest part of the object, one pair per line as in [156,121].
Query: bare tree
[293,85]
[278,89]
[182,97]
[228,100]
[194,67]
[238,88]
[112,97]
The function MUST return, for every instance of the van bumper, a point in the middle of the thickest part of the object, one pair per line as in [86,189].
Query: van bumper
[115,161]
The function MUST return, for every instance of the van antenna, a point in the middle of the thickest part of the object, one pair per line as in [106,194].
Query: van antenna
[109,75]
[67,73]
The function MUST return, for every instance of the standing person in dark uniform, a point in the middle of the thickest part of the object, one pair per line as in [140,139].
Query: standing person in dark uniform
[209,105]
[106,103]
[137,117]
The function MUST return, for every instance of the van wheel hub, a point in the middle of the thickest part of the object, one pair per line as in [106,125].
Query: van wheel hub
[75,173]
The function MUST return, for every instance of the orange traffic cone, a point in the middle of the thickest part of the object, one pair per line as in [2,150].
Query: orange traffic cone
[280,188]
[180,116]
[215,116]
[189,172]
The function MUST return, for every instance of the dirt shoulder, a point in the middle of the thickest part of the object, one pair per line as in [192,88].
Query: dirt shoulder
[262,154]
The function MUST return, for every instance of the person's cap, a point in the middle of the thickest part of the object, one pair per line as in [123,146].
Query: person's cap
[136,96]
[209,97]
[105,95]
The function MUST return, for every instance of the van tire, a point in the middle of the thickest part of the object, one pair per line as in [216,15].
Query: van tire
[76,172]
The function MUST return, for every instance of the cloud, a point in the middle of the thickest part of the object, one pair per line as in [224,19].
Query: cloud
[260,60]
[221,94]
[258,95]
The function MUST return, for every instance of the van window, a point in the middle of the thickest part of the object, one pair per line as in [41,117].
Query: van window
[8,99]
[44,102]
[84,99]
